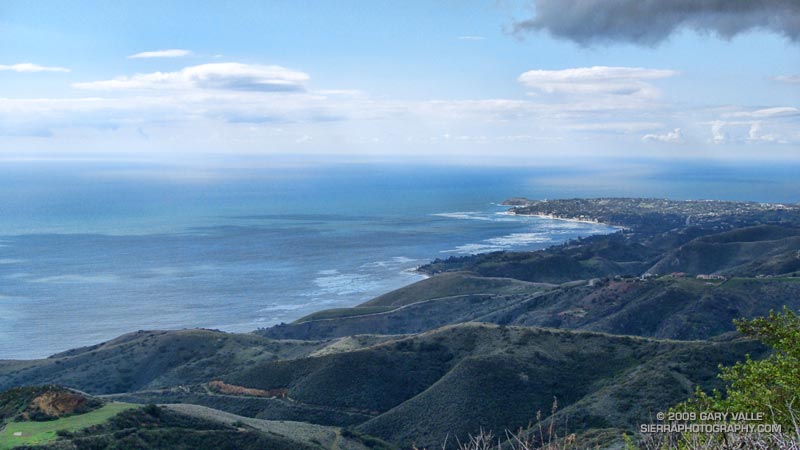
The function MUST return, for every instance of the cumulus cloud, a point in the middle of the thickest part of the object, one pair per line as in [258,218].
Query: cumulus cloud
[757,134]
[29,67]
[625,81]
[752,131]
[718,134]
[648,22]
[673,136]
[219,76]
[171,53]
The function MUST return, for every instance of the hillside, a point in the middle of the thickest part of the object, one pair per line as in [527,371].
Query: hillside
[147,359]
[459,378]
[594,257]
[746,251]
[481,374]
[750,251]
[72,420]
[667,307]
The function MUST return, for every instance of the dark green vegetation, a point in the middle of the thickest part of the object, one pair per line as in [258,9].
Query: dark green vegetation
[459,378]
[617,327]
[757,250]
[770,386]
[418,389]
[665,307]
[148,359]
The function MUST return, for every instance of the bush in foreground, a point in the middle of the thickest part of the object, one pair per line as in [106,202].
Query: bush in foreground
[768,388]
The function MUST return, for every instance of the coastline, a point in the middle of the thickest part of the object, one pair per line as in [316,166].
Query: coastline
[417,272]
[44,346]
[512,212]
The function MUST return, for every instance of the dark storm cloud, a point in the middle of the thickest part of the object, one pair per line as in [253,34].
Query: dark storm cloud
[648,22]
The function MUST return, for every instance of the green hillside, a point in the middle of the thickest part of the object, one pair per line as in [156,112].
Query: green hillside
[459,378]
[666,307]
[419,388]
[747,251]
[151,359]
[751,251]
[452,284]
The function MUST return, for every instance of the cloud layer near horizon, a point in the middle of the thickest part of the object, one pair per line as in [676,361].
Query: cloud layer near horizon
[267,108]
[649,22]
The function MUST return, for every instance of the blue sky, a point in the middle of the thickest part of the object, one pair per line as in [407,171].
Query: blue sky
[448,81]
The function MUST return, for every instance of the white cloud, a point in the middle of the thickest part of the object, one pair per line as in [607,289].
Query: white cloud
[792,79]
[779,111]
[757,134]
[471,38]
[597,80]
[749,132]
[171,53]
[718,135]
[259,108]
[29,67]
[773,125]
[675,136]
[218,76]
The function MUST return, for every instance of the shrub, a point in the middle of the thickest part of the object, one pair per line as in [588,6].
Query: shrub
[769,387]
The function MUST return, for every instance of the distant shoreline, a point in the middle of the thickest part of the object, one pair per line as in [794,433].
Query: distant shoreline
[651,214]
[512,212]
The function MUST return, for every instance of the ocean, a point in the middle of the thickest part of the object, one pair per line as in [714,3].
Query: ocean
[90,250]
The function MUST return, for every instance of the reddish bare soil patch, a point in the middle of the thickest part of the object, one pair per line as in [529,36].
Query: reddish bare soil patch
[232,389]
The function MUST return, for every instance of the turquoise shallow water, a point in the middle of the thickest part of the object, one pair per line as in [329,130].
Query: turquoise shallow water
[91,251]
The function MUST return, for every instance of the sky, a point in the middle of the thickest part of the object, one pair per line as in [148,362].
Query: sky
[472,82]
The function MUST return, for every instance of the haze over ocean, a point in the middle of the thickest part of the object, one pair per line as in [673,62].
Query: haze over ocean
[92,250]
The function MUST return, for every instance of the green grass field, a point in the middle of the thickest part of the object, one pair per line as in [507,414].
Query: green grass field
[35,433]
